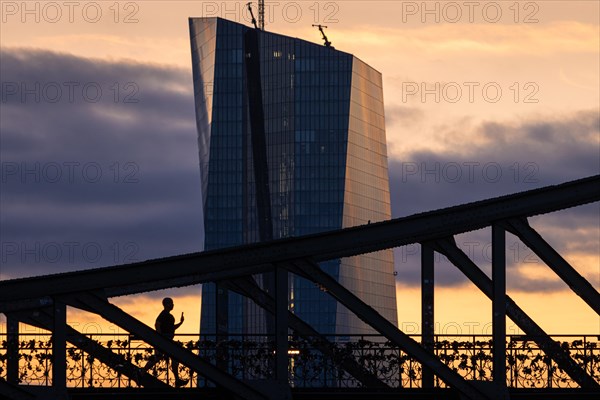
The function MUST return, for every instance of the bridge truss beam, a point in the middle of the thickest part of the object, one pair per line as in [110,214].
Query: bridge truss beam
[532,239]
[460,260]
[301,256]
[120,318]
[14,392]
[216,265]
[308,269]
[247,287]
[43,319]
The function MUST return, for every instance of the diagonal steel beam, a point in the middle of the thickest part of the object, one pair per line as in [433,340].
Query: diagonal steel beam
[562,358]
[120,318]
[42,319]
[311,271]
[562,268]
[248,287]
[14,392]
[227,263]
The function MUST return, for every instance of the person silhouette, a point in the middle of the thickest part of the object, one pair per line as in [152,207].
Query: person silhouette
[166,326]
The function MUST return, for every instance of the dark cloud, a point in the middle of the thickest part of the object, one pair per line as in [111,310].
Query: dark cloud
[99,163]
[105,179]
[513,158]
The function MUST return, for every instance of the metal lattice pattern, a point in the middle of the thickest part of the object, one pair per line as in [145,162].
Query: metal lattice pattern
[393,360]
[252,358]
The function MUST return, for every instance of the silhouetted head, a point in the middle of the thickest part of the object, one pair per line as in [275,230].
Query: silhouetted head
[167,303]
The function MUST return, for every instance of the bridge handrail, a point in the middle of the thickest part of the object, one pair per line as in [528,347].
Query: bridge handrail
[469,354]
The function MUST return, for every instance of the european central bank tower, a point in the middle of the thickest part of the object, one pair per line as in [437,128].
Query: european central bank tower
[291,138]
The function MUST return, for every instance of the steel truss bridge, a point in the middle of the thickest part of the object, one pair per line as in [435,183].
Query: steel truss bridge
[392,365]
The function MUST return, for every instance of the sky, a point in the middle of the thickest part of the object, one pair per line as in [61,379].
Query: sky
[99,158]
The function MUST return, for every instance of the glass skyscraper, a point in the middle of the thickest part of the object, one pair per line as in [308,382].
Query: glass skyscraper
[292,141]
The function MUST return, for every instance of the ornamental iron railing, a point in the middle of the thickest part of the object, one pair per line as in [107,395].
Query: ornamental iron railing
[250,357]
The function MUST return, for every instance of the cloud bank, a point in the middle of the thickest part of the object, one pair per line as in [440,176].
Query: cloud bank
[99,163]
[506,158]
[100,167]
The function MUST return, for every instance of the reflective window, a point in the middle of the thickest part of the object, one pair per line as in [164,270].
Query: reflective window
[324,151]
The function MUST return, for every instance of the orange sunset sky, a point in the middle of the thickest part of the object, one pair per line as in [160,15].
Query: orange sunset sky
[482,99]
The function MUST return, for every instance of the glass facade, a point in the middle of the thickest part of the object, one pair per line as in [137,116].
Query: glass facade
[291,142]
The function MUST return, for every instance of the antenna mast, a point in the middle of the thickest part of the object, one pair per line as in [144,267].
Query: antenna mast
[261,15]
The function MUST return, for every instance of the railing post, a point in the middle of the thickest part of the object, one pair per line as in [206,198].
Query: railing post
[427,315]
[12,351]
[550,372]
[222,326]
[59,350]
[514,363]
[587,366]
[281,332]
[499,305]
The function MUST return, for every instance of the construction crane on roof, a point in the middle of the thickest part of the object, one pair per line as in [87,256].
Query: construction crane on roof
[261,15]
[252,15]
[327,42]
